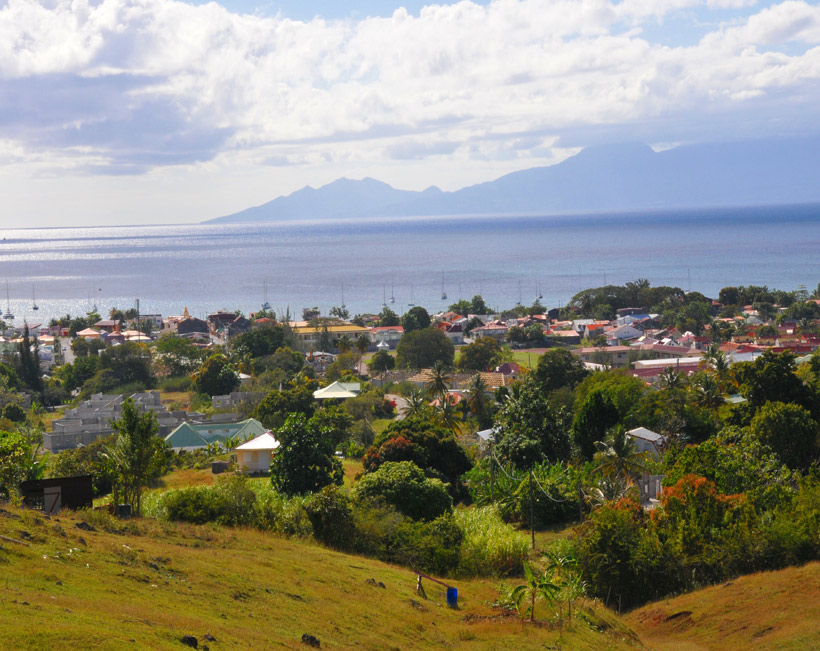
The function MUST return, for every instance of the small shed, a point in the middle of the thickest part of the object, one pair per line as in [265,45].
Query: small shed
[51,495]
[255,455]
[646,440]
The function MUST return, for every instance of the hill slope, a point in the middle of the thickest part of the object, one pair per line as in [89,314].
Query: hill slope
[769,610]
[611,178]
[152,583]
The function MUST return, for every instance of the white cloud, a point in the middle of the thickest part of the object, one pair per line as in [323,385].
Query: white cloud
[127,86]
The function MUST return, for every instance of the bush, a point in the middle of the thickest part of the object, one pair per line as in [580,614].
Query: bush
[331,517]
[176,384]
[198,504]
[433,546]
[490,547]
[404,486]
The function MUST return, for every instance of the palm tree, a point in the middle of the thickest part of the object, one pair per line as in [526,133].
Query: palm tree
[718,362]
[670,379]
[362,344]
[447,415]
[440,379]
[343,344]
[707,391]
[416,404]
[477,402]
[618,460]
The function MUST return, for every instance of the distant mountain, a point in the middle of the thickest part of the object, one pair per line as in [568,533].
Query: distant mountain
[608,178]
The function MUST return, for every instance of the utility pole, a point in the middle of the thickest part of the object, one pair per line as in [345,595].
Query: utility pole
[532,518]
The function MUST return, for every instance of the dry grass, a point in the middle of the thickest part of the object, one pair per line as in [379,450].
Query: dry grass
[155,582]
[768,610]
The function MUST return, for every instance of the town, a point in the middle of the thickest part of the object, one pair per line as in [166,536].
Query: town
[655,417]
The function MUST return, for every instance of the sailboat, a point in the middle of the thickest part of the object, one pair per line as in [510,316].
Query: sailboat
[538,294]
[392,298]
[343,295]
[443,293]
[519,293]
[266,305]
[411,303]
[8,315]
[384,295]
[34,305]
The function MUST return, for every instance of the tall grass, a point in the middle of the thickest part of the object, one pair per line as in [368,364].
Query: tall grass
[490,546]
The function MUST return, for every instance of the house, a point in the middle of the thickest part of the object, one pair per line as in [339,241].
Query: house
[389,335]
[89,333]
[190,436]
[338,390]
[108,325]
[617,356]
[191,325]
[645,440]
[622,333]
[254,456]
[309,336]
[494,329]
[453,331]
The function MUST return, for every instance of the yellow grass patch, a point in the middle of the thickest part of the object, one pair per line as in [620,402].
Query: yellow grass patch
[768,610]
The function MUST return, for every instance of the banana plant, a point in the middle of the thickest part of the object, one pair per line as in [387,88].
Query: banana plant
[538,584]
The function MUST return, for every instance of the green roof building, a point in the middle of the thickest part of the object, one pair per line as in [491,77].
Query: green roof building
[190,436]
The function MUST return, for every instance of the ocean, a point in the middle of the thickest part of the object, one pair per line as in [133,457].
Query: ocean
[361,262]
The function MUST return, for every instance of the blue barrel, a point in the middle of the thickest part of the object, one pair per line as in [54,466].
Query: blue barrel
[452,597]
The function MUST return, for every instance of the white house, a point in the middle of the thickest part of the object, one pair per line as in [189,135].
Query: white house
[255,455]
[646,440]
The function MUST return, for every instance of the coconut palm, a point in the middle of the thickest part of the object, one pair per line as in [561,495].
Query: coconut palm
[617,460]
[670,379]
[718,362]
[477,402]
[440,379]
[448,416]
[344,343]
[416,404]
[707,391]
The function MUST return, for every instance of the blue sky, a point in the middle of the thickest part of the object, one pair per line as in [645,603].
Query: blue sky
[159,111]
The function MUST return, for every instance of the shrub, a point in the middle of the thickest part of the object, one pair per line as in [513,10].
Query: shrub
[403,485]
[490,547]
[433,546]
[236,502]
[198,504]
[176,384]
[331,517]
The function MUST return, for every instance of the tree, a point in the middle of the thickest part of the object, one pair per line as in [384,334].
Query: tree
[18,461]
[538,584]
[478,403]
[381,362]
[403,485]
[29,363]
[595,416]
[344,344]
[339,312]
[772,378]
[126,364]
[216,376]
[179,355]
[388,317]
[423,348]
[277,405]
[416,318]
[305,461]
[362,343]
[259,341]
[529,430]
[789,430]
[136,456]
[481,355]
[617,460]
[439,383]
[559,368]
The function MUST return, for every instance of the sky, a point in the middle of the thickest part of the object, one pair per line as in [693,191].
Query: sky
[160,111]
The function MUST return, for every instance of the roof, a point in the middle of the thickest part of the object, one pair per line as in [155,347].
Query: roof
[185,436]
[264,441]
[88,332]
[646,435]
[338,390]
[303,330]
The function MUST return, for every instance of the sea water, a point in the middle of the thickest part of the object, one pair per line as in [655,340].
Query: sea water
[363,262]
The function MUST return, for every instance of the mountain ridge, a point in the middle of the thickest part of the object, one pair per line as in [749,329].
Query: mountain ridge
[626,176]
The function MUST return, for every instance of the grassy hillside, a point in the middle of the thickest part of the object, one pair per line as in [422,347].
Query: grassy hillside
[769,610]
[145,584]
